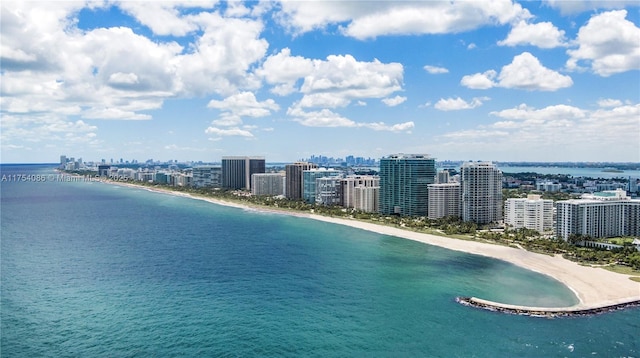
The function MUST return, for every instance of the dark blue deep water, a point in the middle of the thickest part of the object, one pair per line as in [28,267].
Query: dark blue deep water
[98,270]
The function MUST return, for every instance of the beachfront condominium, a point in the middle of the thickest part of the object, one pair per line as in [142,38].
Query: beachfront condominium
[481,187]
[531,212]
[309,182]
[403,184]
[293,173]
[444,200]
[206,176]
[236,171]
[366,198]
[349,184]
[271,184]
[328,191]
[598,215]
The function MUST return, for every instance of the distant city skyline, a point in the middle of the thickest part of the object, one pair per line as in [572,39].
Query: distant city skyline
[548,81]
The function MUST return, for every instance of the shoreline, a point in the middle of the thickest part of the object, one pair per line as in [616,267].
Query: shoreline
[594,287]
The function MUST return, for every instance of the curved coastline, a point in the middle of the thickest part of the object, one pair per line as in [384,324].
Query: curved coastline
[596,289]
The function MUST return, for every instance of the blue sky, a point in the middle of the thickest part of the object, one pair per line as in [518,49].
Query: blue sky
[198,80]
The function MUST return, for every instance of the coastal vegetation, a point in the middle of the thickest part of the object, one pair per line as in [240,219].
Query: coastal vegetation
[627,257]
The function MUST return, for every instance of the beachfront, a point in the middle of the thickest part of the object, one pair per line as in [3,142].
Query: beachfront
[594,287]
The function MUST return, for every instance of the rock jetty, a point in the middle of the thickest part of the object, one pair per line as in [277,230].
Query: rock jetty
[549,312]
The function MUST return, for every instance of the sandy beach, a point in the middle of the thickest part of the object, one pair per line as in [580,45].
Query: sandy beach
[594,287]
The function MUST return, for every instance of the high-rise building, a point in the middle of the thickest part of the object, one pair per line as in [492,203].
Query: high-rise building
[103,170]
[598,215]
[444,200]
[403,184]
[350,183]
[293,186]
[271,184]
[481,188]
[531,212]
[367,198]
[236,171]
[63,161]
[309,182]
[443,177]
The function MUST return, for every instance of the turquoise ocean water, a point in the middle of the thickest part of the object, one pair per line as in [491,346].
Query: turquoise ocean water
[96,270]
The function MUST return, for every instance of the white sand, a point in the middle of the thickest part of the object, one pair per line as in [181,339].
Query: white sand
[594,287]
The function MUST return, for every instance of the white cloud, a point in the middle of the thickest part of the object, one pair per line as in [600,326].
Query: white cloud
[400,127]
[455,104]
[542,34]
[556,112]
[574,7]
[333,82]
[223,56]
[227,120]
[371,19]
[392,102]
[245,104]
[554,133]
[435,69]
[328,118]
[480,80]
[608,43]
[164,17]
[609,102]
[228,132]
[114,113]
[285,70]
[322,118]
[120,78]
[524,72]
[51,66]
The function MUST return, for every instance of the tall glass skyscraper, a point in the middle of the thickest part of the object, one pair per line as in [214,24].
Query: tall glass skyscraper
[403,184]
[293,187]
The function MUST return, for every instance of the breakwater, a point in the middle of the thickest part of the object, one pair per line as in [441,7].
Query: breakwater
[549,312]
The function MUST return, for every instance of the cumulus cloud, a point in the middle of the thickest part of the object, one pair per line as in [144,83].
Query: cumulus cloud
[164,17]
[245,104]
[455,104]
[392,102]
[331,83]
[608,44]
[284,70]
[483,80]
[542,34]
[51,66]
[364,20]
[435,69]
[524,72]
